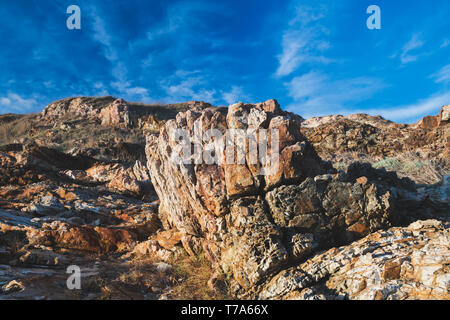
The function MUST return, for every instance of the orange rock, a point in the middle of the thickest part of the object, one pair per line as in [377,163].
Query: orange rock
[66,195]
[169,238]
[64,235]
[362,180]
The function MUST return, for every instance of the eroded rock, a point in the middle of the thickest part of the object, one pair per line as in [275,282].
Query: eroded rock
[399,263]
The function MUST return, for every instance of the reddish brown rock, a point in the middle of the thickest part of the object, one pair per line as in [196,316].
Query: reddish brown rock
[169,238]
[63,235]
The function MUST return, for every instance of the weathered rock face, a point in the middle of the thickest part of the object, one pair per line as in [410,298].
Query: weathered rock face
[431,122]
[330,209]
[372,136]
[190,190]
[118,114]
[445,114]
[253,225]
[82,106]
[400,263]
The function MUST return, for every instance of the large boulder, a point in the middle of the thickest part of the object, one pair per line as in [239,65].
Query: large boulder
[252,219]
[189,191]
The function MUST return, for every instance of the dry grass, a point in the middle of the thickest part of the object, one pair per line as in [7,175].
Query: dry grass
[186,278]
[194,273]
[409,164]
[20,127]
[421,171]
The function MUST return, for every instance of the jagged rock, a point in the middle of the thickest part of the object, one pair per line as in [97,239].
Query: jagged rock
[331,209]
[337,136]
[445,114]
[431,122]
[44,257]
[118,113]
[266,235]
[189,192]
[253,225]
[400,263]
[151,248]
[82,106]
[253,246]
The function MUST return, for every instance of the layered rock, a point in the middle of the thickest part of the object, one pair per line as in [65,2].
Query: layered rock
[334,136]
[113,112]
[253,225]
[396,264]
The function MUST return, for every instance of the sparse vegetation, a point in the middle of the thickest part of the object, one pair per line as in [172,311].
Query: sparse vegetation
[15,127]
[408,164]
[421,171]
[194,273]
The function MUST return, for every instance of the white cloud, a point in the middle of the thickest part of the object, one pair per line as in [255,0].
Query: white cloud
[13,102]
[235,95]
[412,45]
[443,75]
[302,41]
[119,70]
[187,85]
[415,111]
[315,94]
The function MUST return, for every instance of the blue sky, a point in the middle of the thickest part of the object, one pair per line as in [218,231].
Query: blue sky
[314,57]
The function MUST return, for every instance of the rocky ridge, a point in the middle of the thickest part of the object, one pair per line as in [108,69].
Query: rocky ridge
[253,226]
[309,230]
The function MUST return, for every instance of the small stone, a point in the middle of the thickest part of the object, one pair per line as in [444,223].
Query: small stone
[13,286]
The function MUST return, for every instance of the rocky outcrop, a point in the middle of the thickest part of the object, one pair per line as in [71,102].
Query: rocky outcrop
[190,190]
[134,179]
[431,122]
[78,191]
[73,107]
[445,114]
[253,225]
[360,134]
[113,112]
[118,114]
[396,264]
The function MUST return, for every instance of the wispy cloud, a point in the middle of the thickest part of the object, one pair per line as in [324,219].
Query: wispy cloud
[413,112]
[407,54]
[316,94]
[443,75]
[236,94]
[187,85]
[14,103]
[303,41]
[119,70]
[445,43]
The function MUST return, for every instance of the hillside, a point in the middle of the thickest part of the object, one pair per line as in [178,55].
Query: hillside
[357,209]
